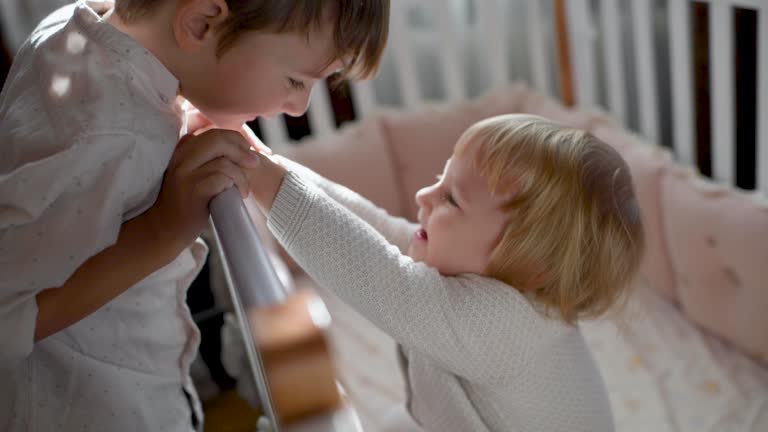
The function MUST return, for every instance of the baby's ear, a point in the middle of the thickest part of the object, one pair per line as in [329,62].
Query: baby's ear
[195,21]
[538,280]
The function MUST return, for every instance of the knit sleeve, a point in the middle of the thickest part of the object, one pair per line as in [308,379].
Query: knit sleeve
[473,326]
[396,230]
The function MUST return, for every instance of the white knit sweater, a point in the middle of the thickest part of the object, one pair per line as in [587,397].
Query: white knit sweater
[479,355]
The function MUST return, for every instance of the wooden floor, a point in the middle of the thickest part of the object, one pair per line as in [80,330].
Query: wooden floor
[227,412]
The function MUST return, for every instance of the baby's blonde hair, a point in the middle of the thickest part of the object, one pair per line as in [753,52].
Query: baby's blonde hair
[574,238]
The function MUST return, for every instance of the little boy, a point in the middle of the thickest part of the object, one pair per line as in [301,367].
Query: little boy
[96,256]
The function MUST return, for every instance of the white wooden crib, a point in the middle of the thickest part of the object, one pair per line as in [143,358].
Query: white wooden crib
[636,61]
[579,51]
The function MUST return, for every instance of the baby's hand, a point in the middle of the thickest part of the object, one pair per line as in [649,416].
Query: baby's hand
[202,166]
[265,180]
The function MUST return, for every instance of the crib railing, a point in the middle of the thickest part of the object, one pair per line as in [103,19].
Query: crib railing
[252,282]
[631,58]
[680,59]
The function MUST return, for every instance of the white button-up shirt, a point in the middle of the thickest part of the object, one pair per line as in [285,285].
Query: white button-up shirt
[88,123]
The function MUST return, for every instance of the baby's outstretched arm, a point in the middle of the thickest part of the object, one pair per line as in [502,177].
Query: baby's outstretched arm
[465,323]
[202,166]
[396,230]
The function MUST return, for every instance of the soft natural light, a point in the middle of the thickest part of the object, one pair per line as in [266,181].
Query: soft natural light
[319,313]
[76,43]
[60,85]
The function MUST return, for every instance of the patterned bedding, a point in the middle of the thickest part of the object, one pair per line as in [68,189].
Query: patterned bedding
[663,373]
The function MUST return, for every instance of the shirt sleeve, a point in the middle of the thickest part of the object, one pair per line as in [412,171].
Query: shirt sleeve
[55,213]
[473,326]
[398,231]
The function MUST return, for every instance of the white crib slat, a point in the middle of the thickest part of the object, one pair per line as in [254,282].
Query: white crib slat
[536,48]
[646,68]
[399,36]
[612,54]
[363,98]
[490,15]
[320,116]
[762,102]
[275,132]
[721,65]
[581,40]
[449,47]
[682,79]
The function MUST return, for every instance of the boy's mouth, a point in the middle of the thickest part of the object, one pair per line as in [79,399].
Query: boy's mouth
[421,234]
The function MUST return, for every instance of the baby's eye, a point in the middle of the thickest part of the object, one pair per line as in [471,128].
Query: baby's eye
[448,197]
[295,85]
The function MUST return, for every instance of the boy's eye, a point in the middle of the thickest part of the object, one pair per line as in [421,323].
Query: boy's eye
[295,85]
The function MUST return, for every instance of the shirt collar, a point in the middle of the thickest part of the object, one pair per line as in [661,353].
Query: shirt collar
[92,16]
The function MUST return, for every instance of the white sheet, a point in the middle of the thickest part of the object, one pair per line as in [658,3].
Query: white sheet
[665,374]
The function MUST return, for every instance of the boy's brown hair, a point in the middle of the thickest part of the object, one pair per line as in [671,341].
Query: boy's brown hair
[360,27]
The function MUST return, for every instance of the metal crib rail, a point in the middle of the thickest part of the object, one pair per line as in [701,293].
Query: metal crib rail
[251,279]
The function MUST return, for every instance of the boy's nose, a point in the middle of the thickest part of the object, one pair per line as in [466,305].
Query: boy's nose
[298,103]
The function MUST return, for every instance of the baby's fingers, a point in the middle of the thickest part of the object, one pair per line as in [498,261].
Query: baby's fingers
[254,140]
[197,122]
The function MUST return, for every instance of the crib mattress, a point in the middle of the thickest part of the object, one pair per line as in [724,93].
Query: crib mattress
[663,373]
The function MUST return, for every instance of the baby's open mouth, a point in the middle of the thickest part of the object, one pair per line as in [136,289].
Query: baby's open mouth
[421,234]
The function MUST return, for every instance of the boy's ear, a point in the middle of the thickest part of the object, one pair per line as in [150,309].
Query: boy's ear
[196,20]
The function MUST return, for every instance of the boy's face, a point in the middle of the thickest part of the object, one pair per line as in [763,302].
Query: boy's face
[261,75]
[461,220]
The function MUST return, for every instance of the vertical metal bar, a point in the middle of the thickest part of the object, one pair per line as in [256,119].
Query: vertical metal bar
[251,279]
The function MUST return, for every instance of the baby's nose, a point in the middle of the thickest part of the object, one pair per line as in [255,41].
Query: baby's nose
[421,197]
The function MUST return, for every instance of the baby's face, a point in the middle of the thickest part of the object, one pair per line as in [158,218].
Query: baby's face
[261,75]
[461,220]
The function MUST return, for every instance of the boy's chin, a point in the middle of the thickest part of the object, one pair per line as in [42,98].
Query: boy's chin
[230,123]
[223,121]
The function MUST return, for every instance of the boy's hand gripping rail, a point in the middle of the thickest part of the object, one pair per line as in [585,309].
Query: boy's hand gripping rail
[251,279]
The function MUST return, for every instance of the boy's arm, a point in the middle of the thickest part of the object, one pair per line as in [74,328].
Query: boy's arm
[473,326]
[396,230]
[103,277]
[61,261]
